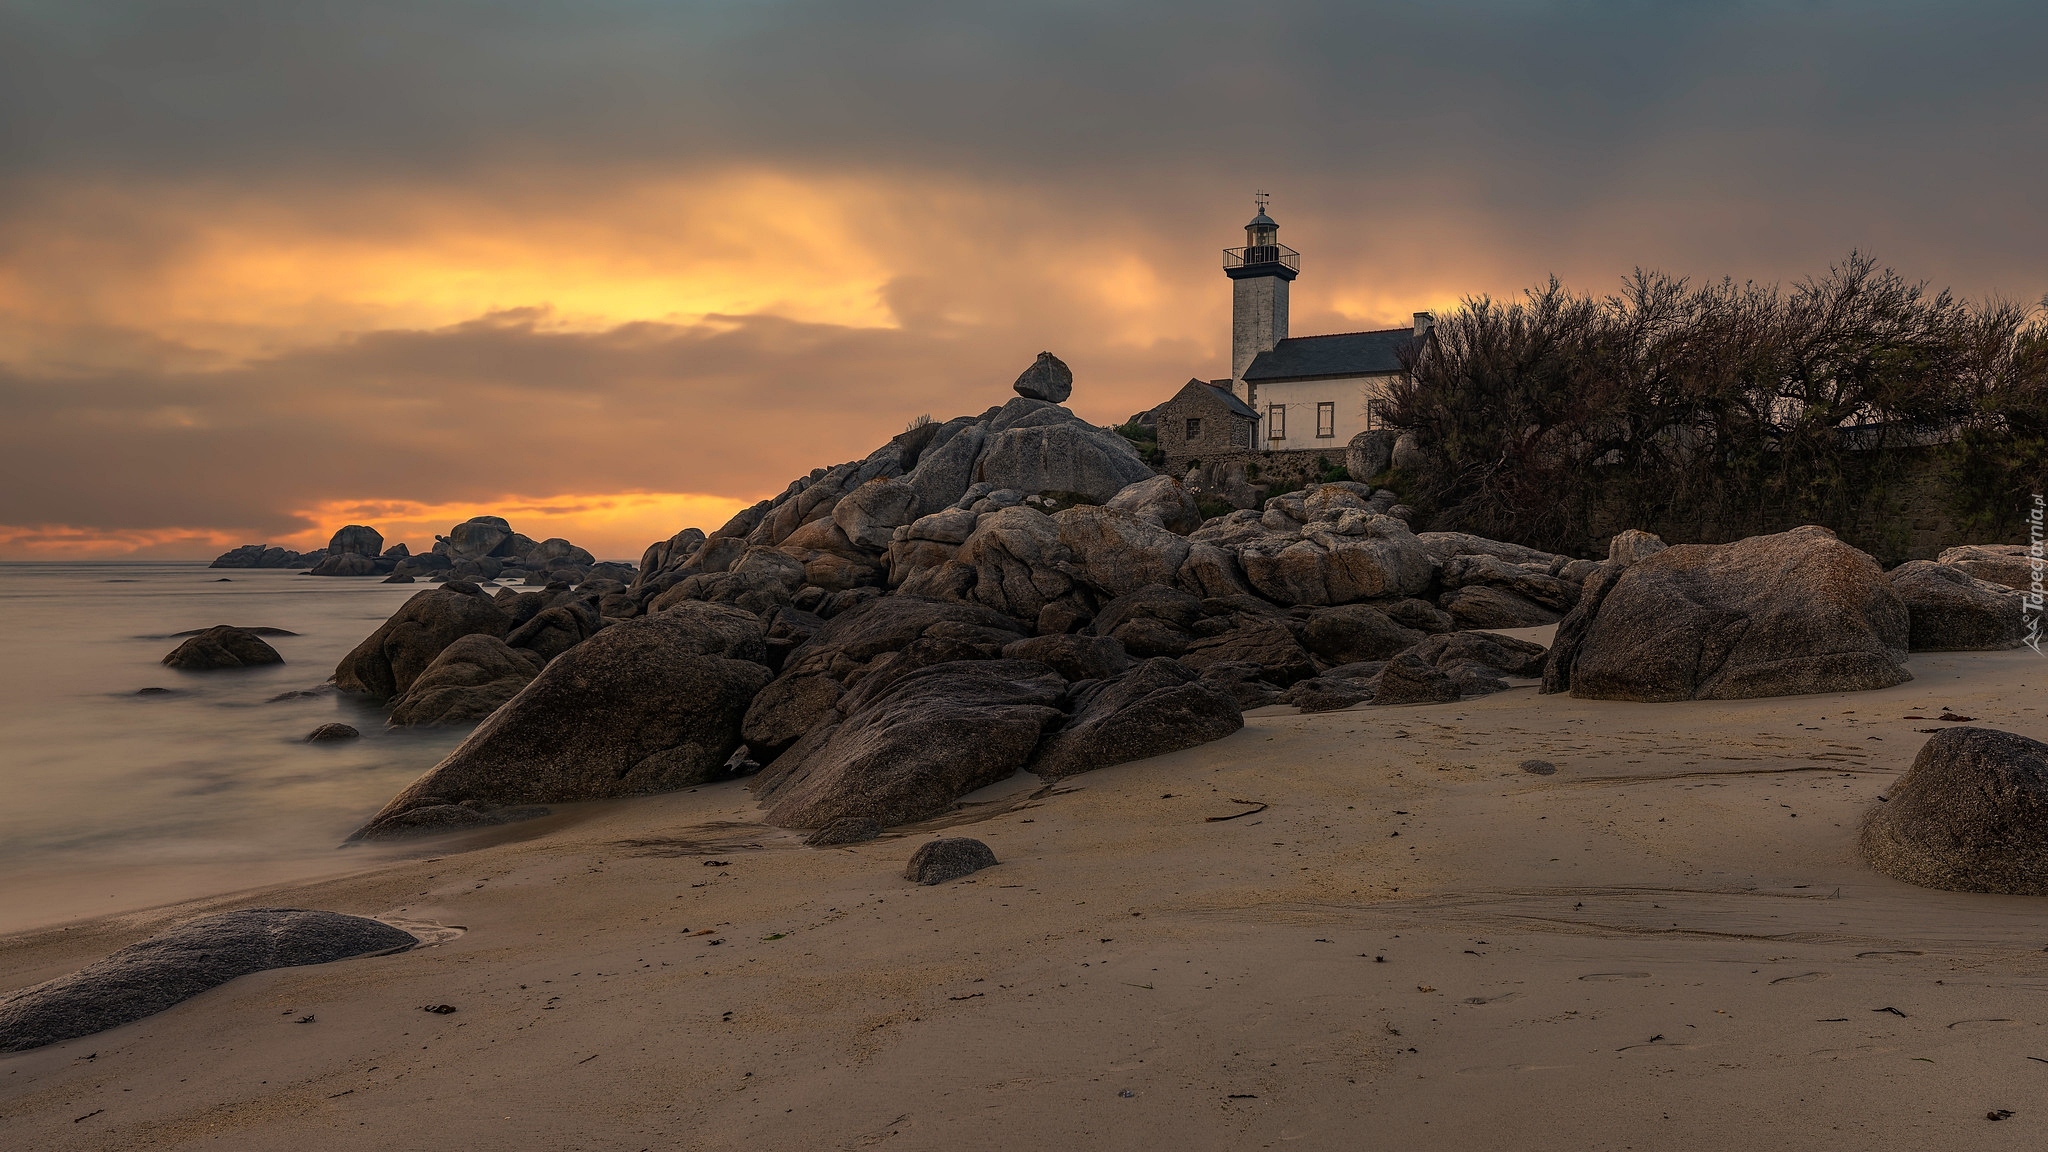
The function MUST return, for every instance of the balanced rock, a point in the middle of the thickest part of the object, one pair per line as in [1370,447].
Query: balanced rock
[1048,378]
[147,977]
[1777,615]
[222,646]
[1952,611]
[1158,706]
[1970,815]
[645,705]
[937,861]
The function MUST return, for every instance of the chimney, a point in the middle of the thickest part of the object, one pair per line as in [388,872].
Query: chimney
[1424,321]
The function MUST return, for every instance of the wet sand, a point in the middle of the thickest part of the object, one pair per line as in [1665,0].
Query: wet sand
[1668,944]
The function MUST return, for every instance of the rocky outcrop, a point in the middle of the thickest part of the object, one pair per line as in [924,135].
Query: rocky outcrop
[1048,378]
[644,706]
[1158,706]
[1778,615]
[1952,611]
[468,681]
[1069,456]
[1264,641]
[222,646]
[899,754]
[147,977]
[1970,815]
[387,662]
[265,556]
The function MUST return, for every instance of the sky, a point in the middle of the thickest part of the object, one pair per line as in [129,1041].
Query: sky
[611,269]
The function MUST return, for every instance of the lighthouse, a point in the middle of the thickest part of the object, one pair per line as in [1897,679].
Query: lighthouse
[1260,273]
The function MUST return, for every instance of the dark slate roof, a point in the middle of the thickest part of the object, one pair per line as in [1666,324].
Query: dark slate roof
[1342,354]
[1223,395]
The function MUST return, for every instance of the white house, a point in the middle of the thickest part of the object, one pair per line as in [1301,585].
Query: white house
[1308,391]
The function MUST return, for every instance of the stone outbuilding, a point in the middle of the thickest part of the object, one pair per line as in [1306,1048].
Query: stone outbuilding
[1204,420]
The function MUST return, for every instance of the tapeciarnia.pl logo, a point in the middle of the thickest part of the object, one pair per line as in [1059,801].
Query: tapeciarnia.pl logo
[2037,560]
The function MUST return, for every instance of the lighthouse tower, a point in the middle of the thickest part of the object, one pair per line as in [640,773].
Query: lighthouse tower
[1259,272]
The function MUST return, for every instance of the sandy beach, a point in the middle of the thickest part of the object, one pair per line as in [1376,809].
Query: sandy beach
[1670,943]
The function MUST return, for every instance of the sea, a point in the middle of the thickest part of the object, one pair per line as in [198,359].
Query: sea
[126,785]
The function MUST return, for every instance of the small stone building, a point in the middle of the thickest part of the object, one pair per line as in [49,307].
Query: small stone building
[1204,420]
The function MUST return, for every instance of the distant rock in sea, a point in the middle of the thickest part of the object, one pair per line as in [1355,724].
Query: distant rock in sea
[222,646]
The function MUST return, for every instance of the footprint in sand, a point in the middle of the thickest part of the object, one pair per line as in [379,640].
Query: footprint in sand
[1616,976]
[1887,955]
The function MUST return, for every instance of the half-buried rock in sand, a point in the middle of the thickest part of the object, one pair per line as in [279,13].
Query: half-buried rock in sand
[147,977]
[1970,815]
[1778,615]
[643,706]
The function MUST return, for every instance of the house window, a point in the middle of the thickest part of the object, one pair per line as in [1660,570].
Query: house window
[1276,421]
[1326,419]
[1194,428]
[1375,414]
[1241,434]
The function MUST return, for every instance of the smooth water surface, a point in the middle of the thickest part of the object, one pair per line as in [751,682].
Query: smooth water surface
[112,799]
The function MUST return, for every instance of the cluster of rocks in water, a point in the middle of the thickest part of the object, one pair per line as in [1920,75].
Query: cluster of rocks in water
[480,548]
[1018,590]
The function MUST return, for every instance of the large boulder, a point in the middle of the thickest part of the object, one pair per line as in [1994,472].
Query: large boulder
[391,658]
[1118,552]
[1970,815]
[478,536]
[2009,564]
[911,750]
[1360,555]
[1161,500]
[1369,453]
[1355,632]
[1018,560]
[1407,680]
[222,646]
[467,681]
[356,540]
[1048,378]
[1070,456]
[1485,606]
[1158,706]
[1777,615]
[871,513]
[147,977]
[937,861]
[1075,658]
[646,705]
[1952,611]
[1265,642]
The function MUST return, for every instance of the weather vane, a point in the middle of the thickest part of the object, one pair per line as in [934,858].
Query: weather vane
[1260,199]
